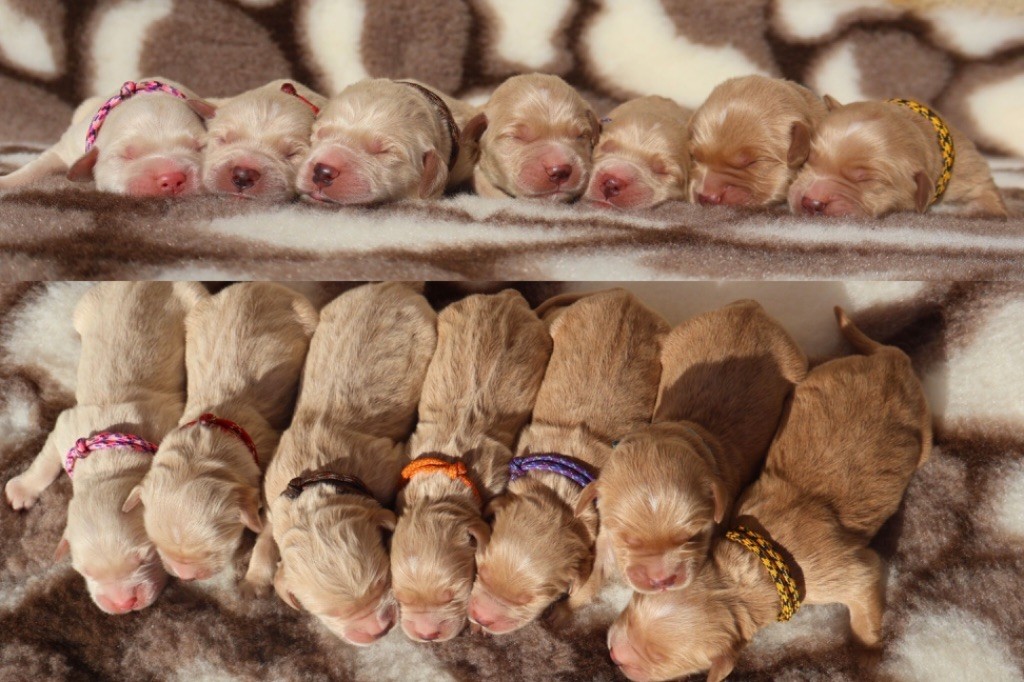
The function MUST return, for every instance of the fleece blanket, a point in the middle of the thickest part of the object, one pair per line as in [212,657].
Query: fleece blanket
[964,56]
[955,549]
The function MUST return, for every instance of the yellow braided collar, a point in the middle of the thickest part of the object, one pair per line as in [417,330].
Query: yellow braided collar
[789,594]
[945,142]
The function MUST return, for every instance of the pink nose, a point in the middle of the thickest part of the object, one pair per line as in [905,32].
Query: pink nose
[615,659]
[479,617]
[709,199]
[661,584]
[612,187]
[813,206]
[427,635]
[559,173]
[172,184]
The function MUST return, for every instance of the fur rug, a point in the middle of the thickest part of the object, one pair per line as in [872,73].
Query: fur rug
[966,59]
[955,550]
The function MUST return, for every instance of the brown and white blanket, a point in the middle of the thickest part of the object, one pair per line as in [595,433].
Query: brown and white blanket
[955,550]
[964,56]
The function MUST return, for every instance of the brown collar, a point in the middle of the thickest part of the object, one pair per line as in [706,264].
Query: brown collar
[341,483]
[446,116]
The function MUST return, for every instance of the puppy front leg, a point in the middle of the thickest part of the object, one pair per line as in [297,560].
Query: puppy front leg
[49,163]
[23,490]
[262,565]
[864,595]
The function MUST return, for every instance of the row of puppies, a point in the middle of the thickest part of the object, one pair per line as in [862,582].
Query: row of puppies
[466,539]
[756,141]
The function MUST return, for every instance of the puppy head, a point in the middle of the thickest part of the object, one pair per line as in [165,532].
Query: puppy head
[539,138]
[748,140]
[377,141]
[256,143]
[111,550]
[642,158]
[866,159]
[675,634]
[659,501]
[538,553]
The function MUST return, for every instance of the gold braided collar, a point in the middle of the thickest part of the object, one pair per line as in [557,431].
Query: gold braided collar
[945,142]
[789,594]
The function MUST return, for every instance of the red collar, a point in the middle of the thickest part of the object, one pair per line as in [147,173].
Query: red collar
[289,89]
[209,419]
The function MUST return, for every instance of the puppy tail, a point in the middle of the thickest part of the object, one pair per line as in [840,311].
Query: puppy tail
[858,339]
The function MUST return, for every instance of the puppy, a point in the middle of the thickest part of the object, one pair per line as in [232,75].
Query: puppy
[726,376]
[337,468]
[148,143]
[381,140]
[598,385]
[244,352]
[130,392]
[478,394]
[857,429]
[643,157]
[749,139]
[872,158]
[536,137]
[258,139]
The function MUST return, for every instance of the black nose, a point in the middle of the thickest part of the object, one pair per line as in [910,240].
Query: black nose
[559,173]
[324,175]
[244,178]
[812,206]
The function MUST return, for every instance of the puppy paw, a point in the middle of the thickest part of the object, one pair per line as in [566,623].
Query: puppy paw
[252,589]
[19,494]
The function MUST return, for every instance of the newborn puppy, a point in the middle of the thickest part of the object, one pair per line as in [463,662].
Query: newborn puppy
[726,376]
[258,139]
[381,140]
[244,352]
[643,157]
[536,137]
[598,385]
[872,158]
[147,140]
[478,394]
[749,139]
[857,429]
[337,468]
[130,392]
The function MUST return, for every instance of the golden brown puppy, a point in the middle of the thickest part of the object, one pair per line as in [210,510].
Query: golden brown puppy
[643,156]
[478,394]
[725,379]
[257,140]
[538,136]
[244,352]
[336,470]
[131,386]
[872,158]
[749,139]
[601,382]
[857,429]
[381,140]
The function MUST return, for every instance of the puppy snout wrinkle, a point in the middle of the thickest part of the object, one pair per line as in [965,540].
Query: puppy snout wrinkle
[244,178]
[324,175]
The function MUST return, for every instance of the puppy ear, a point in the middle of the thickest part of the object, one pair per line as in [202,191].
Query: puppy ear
[923,195]
[595,127]
[63,547]
[586,567]
[721,666]
[204,109]
[799,144]
[435,176]
[496,504]
[831,103]
[249,500]
[133,500]
[587,495]
[81,170]
[282,590]
[480,533]
[721,498]
[386,519]
[473,130]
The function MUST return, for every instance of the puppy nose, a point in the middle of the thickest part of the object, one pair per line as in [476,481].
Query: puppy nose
[171,183]
[611,187]
[663,583]
[813,206]
[126,604]
[559,173]
[479,618]
[324,175]
[428,636]
[709,199]
[243,178]
[615,659]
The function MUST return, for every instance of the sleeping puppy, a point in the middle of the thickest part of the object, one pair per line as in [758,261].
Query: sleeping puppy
[258,139]
[337,468]
[130,392]
[726,376]
[381,140]
[148,144]
[749,139]
[536,137]
[643,157]
[478,394]
[857,429]
[872,158]
[597,386]
[244,352]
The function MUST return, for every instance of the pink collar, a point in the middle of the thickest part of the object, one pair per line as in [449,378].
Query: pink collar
[128,90]
[105,440]
[209,419]
[289,89]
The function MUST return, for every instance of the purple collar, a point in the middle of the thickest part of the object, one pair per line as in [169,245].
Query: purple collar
[128,90]
[563,465]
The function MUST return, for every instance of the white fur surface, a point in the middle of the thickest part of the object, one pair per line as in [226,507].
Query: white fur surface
[811,20]
[1007,496]
[836,73]
[977,34]
[24,44]
[334,28]
[118,40]
[526,30]
[997,108]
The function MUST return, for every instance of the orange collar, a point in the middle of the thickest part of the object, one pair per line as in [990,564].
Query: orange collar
[435,465]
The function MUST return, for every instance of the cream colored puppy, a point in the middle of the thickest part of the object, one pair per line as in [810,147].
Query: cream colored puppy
[643,156]
[601,382]
[336,471]
[478,394]
[130,392]
[244,353]
[857,430]
[258,139]
[381,140]
[726,376]
[148,144]
[536,137]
